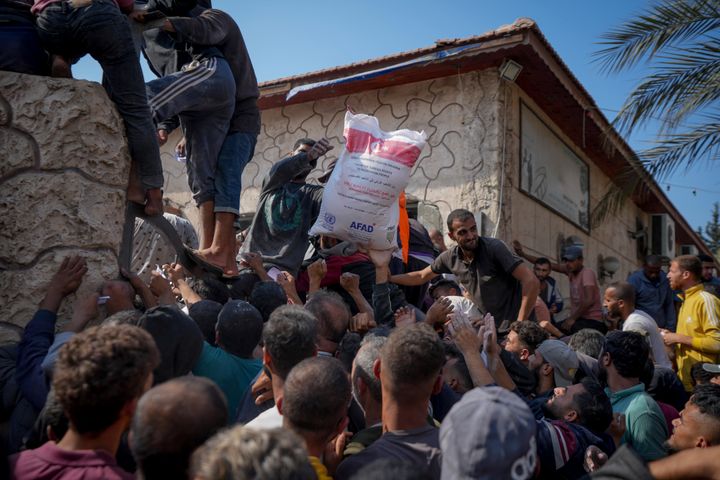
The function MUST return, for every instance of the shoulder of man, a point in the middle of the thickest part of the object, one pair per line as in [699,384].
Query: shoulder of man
[560,441]
[710,304]
[445,259]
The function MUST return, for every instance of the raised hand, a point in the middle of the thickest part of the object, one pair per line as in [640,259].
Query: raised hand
[69,276]
[253,260]
[362,323]
[85,309]
[159,285]
[65,281]
[439,311]
[517,246]
[488,333]
[465,337]
[350,282]
[317,271]
[175,272]
[405,316]
[320,148]
[262,389]
[286,280]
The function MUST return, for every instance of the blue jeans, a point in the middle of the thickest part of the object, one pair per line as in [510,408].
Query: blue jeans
[21,50]
[237,150]
[101,30]
[204,98]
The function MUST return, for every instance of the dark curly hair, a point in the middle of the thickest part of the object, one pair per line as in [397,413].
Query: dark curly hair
[707,399]
[530,333]
[629,351]
[99,371]
[593,406]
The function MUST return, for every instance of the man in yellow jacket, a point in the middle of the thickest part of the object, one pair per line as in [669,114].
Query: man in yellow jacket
[698,323]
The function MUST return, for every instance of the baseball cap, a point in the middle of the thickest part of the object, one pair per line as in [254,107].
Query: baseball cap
[443,282]
[572,252]
[563,360]
[711,367]
[488,434]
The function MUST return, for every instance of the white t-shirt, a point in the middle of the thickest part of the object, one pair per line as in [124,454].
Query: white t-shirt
[641,322]
[267,420]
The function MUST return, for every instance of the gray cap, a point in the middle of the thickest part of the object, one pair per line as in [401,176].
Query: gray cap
[711,367]
[488,434]
[573,252]
[563,360]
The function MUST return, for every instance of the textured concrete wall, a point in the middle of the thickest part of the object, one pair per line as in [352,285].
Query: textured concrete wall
[458,167]
[63,176]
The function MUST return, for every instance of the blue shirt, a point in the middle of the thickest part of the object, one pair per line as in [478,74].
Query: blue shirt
[35,343]
[655,298]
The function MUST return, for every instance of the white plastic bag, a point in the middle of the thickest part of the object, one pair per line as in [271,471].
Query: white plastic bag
[360,201]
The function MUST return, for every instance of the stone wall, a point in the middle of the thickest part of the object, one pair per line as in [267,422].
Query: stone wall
[63,176]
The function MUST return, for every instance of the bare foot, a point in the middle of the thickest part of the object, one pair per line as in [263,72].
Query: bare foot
[154,202]
[60,67]
[218,259]
[232,266]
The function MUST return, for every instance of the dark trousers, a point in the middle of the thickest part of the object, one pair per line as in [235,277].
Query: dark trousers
[101,30]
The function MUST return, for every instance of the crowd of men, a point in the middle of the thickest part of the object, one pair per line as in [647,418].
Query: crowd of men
[277,378]
[299,358]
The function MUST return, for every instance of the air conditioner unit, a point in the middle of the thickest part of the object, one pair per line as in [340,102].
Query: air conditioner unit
[689,250]
[662,235]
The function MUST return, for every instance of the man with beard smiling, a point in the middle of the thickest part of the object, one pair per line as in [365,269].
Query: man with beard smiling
[497,280]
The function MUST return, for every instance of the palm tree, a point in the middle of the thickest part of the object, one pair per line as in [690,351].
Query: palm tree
[680,41]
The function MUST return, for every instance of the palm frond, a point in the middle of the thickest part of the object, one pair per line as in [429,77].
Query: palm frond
[612,201]
[685,149]
[664,25]
[686,80]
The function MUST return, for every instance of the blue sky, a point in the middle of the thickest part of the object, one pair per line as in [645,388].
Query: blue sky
[289,37]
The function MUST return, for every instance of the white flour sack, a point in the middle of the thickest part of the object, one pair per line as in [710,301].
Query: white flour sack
[360,202]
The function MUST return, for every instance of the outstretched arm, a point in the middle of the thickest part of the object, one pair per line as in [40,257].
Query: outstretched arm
[40,332]
[414,278]
[288,168]
[530,289]
[517,246]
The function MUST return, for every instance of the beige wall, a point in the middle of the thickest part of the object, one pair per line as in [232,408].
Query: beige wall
[457,167]
[542,231]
